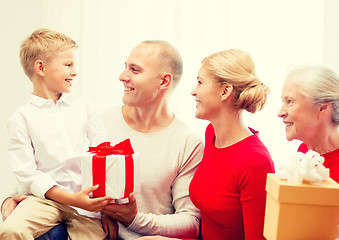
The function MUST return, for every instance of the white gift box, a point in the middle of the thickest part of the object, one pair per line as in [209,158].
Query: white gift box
[115,174]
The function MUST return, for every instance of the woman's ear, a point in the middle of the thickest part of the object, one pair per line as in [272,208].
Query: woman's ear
[39,68]
[166,79]
[325,109]
[227,90]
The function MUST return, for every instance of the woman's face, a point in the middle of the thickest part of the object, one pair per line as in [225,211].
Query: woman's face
[299,114]
[207,95]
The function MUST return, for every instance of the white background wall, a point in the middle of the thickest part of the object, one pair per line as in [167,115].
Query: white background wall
[276,33]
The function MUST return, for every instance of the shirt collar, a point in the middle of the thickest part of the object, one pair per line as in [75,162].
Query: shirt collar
[39,101]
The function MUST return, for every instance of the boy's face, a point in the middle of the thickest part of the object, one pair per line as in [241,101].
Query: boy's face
[59,73]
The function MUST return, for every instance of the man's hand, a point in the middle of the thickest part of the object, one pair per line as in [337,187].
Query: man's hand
[110,226]
[123,213]
[10,204]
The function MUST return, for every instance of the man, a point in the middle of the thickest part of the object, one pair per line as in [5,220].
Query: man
[169,151]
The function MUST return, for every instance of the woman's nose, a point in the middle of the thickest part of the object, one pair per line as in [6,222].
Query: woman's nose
[282,112]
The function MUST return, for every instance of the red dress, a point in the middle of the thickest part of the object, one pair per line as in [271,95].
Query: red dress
[229,188]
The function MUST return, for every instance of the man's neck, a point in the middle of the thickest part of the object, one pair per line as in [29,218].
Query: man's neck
[147,119]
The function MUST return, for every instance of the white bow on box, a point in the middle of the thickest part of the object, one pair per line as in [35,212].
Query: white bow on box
[304,167]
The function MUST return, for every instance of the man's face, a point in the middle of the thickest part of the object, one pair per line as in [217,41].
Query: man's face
[142,76]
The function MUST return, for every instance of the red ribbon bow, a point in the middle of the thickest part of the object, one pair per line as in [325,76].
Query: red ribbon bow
[105,148]
[99,165]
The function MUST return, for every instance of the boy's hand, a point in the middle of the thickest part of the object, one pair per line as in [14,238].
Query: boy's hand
[10,204]
[84,201]
[80,199]
[123,213]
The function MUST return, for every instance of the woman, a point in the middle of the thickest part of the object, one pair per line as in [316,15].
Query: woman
[310,112]
[229,185]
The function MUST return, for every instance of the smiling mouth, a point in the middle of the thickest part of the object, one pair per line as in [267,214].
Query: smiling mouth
[69,81]
[129,89]
[288,124]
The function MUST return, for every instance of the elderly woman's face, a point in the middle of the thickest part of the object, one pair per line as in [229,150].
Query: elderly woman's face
[299,114]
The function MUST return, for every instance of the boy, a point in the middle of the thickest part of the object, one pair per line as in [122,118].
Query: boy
[47,135]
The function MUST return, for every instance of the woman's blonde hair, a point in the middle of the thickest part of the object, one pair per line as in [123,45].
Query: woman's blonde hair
[236,67]
[42,44]
[318,83]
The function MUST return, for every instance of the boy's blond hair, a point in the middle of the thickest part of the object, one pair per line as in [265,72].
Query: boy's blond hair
[42,44]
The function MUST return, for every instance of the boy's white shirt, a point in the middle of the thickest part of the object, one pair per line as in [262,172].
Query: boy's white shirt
[46,140]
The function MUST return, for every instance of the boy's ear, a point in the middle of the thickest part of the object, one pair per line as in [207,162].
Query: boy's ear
[226,91]
[39,68]
[166,79]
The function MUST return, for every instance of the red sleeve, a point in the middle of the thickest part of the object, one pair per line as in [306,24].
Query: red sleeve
[253,194]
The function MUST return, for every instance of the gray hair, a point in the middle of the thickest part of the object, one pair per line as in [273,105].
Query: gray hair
[320,84]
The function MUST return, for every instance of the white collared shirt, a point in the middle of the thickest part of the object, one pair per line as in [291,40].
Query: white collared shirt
[46,140]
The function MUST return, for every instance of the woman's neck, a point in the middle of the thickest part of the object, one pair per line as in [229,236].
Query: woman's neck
[229,129]
[325,141]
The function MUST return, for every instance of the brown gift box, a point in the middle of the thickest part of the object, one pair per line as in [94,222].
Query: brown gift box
[301,211]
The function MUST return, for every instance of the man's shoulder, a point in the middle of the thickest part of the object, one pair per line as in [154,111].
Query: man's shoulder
[182,129]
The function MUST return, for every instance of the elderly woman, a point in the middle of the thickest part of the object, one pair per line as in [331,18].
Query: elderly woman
[310,112]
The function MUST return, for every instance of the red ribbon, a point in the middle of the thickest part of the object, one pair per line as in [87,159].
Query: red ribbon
[99,165]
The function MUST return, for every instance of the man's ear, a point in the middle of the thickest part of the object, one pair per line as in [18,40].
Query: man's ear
[39,68]
[227,91]
[166,79]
